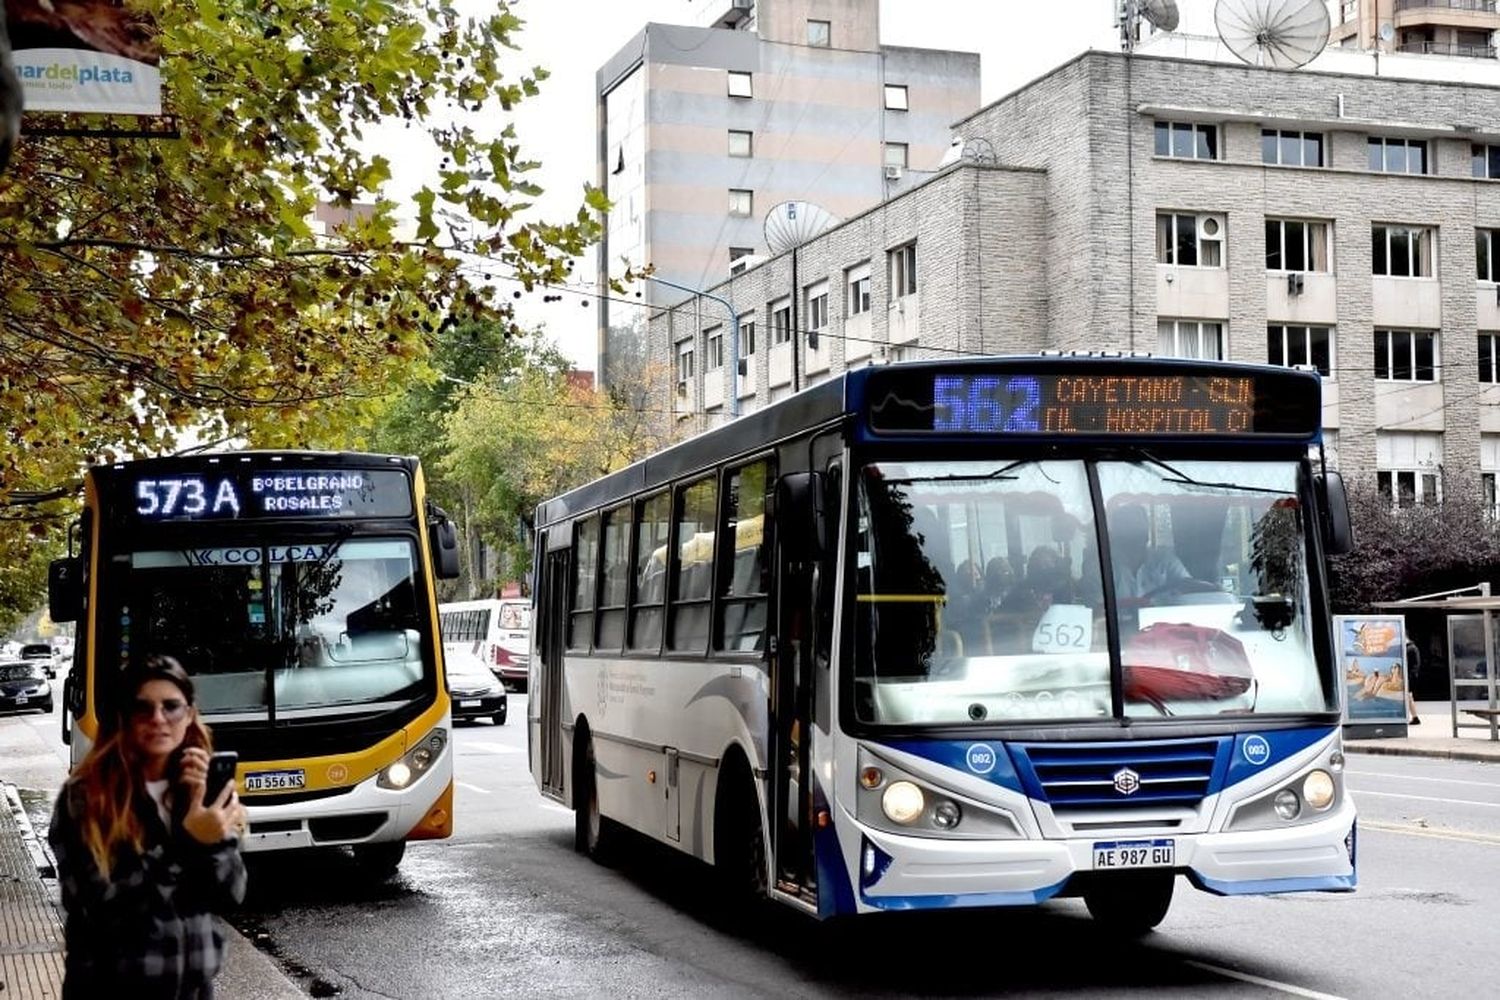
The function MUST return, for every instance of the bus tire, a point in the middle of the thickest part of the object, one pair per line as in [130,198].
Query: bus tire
[380,860]
[594,834]
[739,841]
[1130,904]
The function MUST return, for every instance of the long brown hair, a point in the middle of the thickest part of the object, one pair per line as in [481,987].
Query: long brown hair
[109,776]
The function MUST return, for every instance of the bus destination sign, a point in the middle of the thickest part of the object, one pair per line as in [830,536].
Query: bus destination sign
[1091,403]
[267,493]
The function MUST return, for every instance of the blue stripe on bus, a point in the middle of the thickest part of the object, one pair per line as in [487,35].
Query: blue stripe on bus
[1282,743]
[990,761]
[1266,886]
[1026,897]
[835,893]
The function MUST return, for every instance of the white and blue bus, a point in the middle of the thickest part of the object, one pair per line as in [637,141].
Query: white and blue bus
[963,633]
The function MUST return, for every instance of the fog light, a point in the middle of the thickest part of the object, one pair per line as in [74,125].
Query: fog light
[903,802]
[421,756]
[872,777]
[1286,803]
[1318,789]
[945,815]
[398,774]
[1336,761]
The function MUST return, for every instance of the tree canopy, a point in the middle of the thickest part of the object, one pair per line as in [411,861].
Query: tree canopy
[152,286]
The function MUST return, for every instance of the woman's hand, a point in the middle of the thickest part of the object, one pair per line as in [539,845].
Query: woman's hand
[212,822]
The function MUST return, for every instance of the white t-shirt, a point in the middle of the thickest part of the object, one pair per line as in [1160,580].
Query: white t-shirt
[158,792]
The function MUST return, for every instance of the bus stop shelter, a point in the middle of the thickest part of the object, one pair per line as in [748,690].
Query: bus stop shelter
[1472,615]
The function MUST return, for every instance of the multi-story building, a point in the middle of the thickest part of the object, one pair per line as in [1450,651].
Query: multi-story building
[703,128]
[1462,28]
[1348,222]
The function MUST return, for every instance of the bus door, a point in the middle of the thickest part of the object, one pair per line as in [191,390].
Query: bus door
[796,683]
[551,639]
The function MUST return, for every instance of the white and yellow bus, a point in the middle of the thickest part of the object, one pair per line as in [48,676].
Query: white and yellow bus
[297,589]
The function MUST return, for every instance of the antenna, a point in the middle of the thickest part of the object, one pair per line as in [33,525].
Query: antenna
[1160,14]
[1281,34]
[792,223]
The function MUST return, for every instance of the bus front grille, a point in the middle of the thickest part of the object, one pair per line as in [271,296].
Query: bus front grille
[1137,774]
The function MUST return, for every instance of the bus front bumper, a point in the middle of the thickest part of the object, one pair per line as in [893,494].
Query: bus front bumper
[363,814]
[895,872]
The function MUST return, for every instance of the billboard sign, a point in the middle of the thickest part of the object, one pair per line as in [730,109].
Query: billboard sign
[1372,657]
[85,55]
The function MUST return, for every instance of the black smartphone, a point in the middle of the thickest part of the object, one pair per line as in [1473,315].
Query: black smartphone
[220,773]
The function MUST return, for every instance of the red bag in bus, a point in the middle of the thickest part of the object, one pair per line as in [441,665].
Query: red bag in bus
[1166,662]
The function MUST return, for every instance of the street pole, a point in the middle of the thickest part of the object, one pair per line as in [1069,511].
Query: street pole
[734,337]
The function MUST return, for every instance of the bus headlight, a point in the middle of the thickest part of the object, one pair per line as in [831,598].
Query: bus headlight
[1286,804]
[416,761]
[903,802]
[1318,790]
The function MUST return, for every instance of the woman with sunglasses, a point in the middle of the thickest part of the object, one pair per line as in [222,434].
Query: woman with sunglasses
[143,861]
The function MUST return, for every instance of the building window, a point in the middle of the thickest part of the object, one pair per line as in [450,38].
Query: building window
[858,278]
[895,97]
[1406,355]
[741,201]
[1187,140]
[1487,482]
[1186,240]
[1191,338]
[1300,345]
[1486,161]
[819,34]
[686,366]
[713,349]
[895,155]
[781,322]
[1409,487]
[747,336]
[1489,357]
[739,84]
[817,312]
[1296,245]
[1399,156]
[740,143]
[1402,251]
[1291,149]
[1484,254]
[901,271]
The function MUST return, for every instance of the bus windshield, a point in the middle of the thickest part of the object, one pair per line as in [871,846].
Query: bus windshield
[295,628]
[979,591]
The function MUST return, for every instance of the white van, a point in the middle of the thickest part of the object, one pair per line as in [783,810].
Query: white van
[496,631]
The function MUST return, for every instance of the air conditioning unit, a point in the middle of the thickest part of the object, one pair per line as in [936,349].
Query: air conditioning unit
[738,11]
[1210,227]
[893,172]
[1295,283]
[742,264]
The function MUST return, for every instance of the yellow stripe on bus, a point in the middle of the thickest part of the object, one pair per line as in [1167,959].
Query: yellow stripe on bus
[902,598]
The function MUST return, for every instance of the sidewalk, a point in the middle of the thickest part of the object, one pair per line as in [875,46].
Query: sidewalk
[31,935]
[1434,738]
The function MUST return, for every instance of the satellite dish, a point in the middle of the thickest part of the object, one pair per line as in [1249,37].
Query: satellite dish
[1282,34]
[1161,13]
[1387,32]
[792,223]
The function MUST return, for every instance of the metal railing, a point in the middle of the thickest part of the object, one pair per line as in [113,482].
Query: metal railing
[1463,49]
[1480,6]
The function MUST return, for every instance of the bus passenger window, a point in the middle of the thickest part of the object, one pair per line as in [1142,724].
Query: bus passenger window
[654,518]
[693,586]
[585,563]
[742,609]
[616,578]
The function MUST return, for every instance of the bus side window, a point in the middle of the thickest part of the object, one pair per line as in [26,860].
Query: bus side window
[653,518]
[692,589]
[743,600]
[585,562]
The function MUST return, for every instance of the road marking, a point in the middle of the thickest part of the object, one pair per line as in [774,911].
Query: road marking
[1418,777]
[1429,798]
[1245,977]
[490,747]
[1438,834]
[472,788]
[557,808]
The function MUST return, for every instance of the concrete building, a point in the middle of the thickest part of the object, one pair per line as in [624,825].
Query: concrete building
[1461,28]
[1185,208]
[703,128]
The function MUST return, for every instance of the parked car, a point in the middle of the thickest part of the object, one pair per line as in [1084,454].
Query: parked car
[476,691]
[24,686]
[42,653]
[497,631]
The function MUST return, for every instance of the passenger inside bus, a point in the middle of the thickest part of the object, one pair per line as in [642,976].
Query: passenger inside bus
[1141,570]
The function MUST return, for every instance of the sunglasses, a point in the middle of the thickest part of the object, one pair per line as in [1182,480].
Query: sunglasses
[144,710]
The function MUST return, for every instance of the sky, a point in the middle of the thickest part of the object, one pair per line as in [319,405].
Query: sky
[1018,40]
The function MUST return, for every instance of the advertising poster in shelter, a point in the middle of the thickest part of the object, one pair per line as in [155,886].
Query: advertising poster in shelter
[85,55]
[1372,660]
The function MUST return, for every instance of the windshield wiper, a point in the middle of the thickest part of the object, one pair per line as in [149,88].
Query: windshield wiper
[998,474]
[1183,479]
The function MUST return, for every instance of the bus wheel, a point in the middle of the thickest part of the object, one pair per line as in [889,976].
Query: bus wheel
[380,860]
[740,849]
[594,834]
[1130,904]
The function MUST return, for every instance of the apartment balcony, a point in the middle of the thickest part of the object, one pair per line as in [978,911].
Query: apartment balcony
[1457,15]
[1464,50]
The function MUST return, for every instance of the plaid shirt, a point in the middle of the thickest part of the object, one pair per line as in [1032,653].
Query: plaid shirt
[147,930]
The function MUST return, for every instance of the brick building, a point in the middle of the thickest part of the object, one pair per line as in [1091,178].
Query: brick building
[1181,207]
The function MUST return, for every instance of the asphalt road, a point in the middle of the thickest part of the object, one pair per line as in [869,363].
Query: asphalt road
[506,909]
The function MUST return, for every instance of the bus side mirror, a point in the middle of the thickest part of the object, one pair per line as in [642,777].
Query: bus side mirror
[1338,527]
[799,514]
[444,542]
[65,589]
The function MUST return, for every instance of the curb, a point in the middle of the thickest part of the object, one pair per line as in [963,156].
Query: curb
[1378,750]
[41,856]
